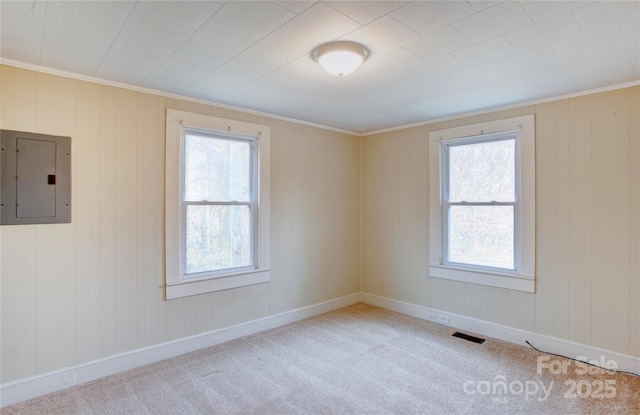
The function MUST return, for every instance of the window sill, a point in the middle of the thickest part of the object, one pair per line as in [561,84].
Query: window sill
[186,288]
[493,279]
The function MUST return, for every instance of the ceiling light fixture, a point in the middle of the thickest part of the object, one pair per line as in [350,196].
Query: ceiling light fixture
[341,57]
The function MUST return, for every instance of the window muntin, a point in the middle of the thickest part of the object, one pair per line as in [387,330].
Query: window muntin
[218,203]
[481,202]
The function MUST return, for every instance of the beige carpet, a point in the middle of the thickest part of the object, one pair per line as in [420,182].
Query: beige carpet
[358,360]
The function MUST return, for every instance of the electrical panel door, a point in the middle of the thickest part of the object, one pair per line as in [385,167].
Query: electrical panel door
[36,178]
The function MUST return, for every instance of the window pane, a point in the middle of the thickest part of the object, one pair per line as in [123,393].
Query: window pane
[482,235]
[218,237]
[482,172]
[216,169]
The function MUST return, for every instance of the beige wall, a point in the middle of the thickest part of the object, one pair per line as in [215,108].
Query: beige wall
[73,293]
[587,225]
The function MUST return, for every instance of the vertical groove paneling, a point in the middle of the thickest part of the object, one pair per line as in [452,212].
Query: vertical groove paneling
[435,293]
[158,277]
[610,223]
[562,220]
[18,303]
[282,182]
[497,309]
[580,212]
[244,304]
[73,293]
[275,220]
[324,170]
[175,327]
[476,301]
[306,161]
[371,212]
[126,220]
[140,214]
[298,282]
[189,316]
[458,297]
[422,224]
[264,304]
[19,92]
[445,286]
[222,309]
[402,229]
[151,129]
[513,309]
[203,313]
[86,214]
[333,246]
[107,221]
[526,311]
[395,217]
[587,229]
[55,261]
[353,165]
[18,347]
[545,218]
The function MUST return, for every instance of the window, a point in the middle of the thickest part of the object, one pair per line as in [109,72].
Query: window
[482,221]
[217,222]
[480,201]
[218,203]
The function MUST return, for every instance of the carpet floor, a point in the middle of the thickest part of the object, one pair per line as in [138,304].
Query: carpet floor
[357,360]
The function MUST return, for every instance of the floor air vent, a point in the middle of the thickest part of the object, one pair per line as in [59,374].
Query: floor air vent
[468,337]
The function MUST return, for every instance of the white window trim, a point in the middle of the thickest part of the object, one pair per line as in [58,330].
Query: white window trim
[175,285]
[523,279]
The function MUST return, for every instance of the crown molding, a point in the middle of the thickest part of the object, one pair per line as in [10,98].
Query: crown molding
[116,84]
[101,81]
[506,107]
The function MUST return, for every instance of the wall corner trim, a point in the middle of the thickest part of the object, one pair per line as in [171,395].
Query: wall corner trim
[32,387]
[549,344]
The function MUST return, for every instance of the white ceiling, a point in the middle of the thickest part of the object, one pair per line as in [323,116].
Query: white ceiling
[429,59]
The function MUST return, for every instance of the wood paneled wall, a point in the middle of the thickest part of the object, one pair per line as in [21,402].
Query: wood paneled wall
[587,224]
[74,293]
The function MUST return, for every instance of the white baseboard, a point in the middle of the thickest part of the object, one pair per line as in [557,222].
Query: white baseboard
[28,388]
[548,344]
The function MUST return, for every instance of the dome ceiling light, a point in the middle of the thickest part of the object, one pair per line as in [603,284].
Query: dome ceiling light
[341,57]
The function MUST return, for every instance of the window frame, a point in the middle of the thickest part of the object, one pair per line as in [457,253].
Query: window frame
[218,135]
[446,203]
[176,284]
[522,277]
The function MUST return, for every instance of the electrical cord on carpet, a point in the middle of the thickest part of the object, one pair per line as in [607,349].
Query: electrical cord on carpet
[582,361]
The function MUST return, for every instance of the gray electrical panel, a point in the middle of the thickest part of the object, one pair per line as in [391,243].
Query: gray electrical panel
[36,178]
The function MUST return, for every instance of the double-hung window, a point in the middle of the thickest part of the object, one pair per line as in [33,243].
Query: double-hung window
[480,207]
[482,199]
[217,204]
